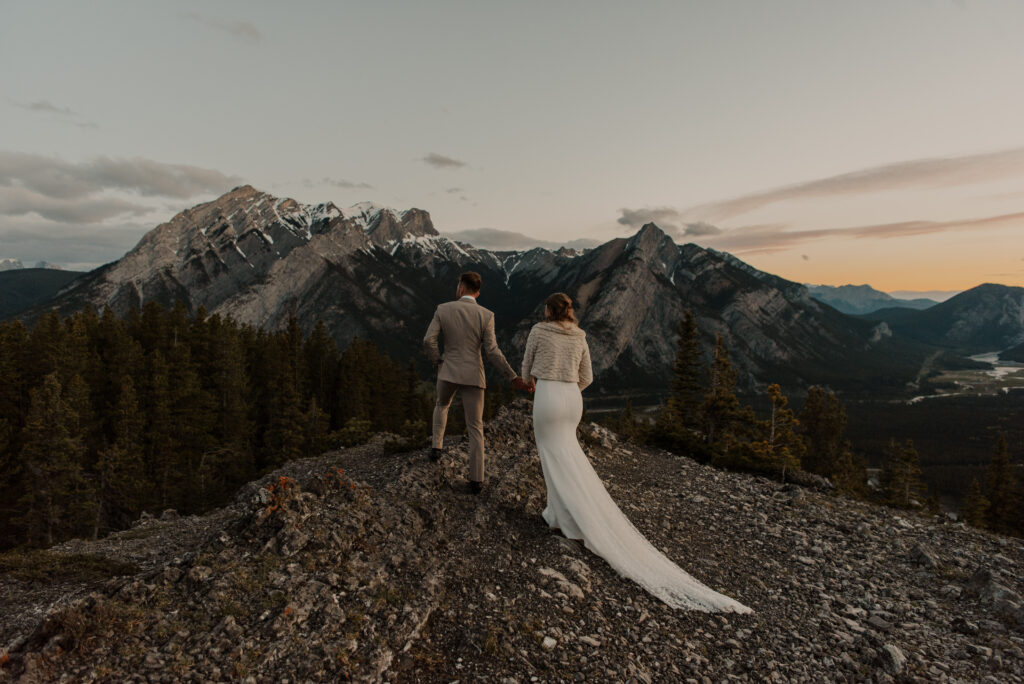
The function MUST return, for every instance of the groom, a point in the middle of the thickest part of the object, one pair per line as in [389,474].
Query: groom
[466,327]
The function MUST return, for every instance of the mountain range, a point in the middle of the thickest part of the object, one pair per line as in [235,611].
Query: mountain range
[986,318]
[862,299]
[372,272]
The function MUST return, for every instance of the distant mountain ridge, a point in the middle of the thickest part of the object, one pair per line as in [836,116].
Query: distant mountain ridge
[862,299]
[10,264]
[21,288]
[378,273]
[986,318]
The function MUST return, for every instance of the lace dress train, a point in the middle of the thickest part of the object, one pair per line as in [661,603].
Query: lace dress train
[581,507]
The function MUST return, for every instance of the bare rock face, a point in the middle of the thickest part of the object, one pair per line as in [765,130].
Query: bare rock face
[376,564]
[378,274]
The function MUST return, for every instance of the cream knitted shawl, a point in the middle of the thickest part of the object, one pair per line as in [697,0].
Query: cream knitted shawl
[559,353]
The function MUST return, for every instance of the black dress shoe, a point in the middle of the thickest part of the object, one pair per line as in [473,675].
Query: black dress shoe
[475,487]
[435,454]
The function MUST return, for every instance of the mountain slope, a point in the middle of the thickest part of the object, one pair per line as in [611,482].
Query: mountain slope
[22,288]
[377,273]
[985,318]
[407,578]
[862,299]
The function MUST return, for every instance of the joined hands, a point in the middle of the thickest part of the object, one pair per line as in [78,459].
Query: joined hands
[521,384]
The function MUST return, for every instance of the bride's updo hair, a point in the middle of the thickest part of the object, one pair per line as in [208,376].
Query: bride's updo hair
[559,308]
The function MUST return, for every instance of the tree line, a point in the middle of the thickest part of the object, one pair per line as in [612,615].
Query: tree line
[703,417]
[104,417]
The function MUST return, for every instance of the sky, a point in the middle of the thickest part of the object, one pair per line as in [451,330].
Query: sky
[826,142]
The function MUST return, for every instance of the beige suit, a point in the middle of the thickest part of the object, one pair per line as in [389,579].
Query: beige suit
[467,328]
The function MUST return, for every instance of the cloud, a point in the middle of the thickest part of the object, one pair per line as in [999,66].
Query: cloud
[246,30]
[69,192]
[701,228]
[17,201]
[940,172]
[668,219]
[153,178]
[337,183]
[55,177]
[507,240]
[46,107]
[767,238]
[439,161]
[342,183]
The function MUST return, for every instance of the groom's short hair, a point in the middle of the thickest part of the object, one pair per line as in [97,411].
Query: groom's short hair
[471,281]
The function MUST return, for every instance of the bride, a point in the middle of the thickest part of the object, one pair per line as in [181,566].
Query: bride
[557,360]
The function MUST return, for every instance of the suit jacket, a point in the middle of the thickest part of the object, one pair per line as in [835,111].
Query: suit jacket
[466,328]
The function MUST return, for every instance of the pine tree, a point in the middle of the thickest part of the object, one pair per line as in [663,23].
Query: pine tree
[679,421]
[974,510]
[627,426]
[14,339]
[321,362]
[720,405]
[780,448]
[850,472]
[901,477]
[286,424]
[162,458]
[1002,490]
[47,348]
[56,499]
[192,416]
[316,428]
[726,423]
[823,422]
[121,477]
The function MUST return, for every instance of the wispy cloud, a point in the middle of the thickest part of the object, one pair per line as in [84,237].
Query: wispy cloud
[239,28]
[16,201]
[46,107]
[440,161]
[337,183]
[72,192]
[762,239]
[507,240]
[668,219]
[940,172]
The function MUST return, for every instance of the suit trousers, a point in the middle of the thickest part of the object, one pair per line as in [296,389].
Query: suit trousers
[473,405]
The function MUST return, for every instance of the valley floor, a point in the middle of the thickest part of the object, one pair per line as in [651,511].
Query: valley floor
[408,578]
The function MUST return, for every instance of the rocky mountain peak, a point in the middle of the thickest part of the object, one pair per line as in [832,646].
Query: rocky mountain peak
[651,240]
[375,564]
[388,226]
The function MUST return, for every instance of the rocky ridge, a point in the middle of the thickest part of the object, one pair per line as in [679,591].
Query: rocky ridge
[388,570]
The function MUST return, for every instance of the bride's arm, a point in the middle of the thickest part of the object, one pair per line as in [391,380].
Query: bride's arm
[586,372]
[531,349]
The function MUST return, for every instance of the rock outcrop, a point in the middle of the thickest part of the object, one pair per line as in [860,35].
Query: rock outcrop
[388,570]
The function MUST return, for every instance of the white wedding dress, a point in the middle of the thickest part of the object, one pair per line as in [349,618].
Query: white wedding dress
[581,507]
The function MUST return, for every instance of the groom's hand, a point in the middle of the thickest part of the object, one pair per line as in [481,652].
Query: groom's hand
[520,384]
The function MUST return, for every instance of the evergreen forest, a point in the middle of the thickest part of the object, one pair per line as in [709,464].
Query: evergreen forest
[102,418]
